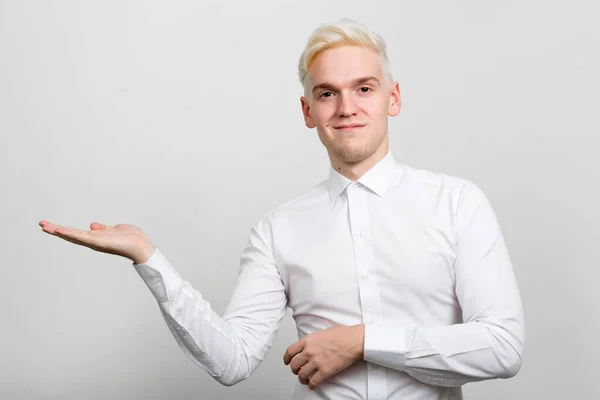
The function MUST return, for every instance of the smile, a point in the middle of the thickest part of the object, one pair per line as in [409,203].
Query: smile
[349,127]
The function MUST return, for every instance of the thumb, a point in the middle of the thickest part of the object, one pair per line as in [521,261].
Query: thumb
[95,226]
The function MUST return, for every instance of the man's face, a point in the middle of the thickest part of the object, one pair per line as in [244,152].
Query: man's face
[348,101]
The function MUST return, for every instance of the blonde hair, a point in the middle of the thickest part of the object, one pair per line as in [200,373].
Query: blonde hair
[339,33]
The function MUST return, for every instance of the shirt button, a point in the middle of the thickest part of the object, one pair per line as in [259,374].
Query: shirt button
[371,319]
[365,276]
[361,234]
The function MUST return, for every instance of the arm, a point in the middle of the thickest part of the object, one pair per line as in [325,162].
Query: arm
[489,344]
[230,347]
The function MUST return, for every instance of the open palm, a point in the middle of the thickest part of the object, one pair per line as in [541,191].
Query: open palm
[124,240]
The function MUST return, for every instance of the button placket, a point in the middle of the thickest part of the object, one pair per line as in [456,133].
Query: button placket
[367,284]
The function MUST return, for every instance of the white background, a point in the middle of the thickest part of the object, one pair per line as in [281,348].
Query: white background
[183,118]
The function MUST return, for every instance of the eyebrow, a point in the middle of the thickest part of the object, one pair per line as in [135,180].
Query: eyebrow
[358,81]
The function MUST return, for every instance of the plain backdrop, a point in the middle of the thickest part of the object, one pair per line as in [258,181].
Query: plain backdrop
[184,118]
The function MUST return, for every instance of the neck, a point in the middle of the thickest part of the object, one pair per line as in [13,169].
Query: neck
[354,170]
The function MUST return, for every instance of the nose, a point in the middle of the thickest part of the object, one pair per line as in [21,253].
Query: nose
[346,105]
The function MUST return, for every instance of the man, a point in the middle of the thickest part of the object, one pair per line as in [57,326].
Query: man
[399,279]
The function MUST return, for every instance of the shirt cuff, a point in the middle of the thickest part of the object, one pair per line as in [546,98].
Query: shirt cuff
[160,276]
[387,346]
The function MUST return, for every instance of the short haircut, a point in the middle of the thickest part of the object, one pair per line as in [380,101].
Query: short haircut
[341,33]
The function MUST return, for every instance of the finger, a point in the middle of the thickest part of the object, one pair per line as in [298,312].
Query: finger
[307,370]
[72,240]
[292,351]
[97,226]
[302,380]
[316,379]
[50,227]
[47,225]
[46,222]
[88,245]
[298,361]
[75,234]
[71,232]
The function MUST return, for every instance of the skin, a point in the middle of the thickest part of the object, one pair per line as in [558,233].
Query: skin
[342,96]
[346,86]
[123,240]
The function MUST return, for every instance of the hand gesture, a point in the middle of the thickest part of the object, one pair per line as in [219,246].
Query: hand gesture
[322,354]
[124,240]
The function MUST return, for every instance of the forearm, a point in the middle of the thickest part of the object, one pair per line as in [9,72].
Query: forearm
[449,355]
[227,351]
[202,334]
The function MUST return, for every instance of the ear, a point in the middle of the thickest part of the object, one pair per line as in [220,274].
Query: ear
[306,113]
[395,103]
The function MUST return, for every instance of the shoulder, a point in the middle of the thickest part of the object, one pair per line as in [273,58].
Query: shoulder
[428,178]
[437,187]
[297,207]
[315,195]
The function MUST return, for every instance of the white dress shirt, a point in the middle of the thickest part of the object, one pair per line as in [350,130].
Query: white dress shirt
[416,256]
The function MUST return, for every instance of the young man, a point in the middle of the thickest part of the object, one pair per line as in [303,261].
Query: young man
[399,279]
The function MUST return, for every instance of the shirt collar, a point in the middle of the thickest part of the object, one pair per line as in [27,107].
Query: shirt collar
[379,178]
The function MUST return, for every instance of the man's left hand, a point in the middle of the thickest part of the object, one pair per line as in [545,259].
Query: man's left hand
[322,354]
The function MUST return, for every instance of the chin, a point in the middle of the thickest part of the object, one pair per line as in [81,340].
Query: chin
[354,155]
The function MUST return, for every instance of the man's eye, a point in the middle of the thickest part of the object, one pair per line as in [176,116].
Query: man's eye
[365,89]
[326,94]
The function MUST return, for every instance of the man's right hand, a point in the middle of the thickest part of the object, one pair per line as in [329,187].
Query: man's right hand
[123,240]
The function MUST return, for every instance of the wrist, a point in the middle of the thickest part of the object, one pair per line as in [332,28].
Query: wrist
[143,255]
[360,341]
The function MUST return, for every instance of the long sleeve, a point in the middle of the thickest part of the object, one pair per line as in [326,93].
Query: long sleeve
[489,343]
[231,346]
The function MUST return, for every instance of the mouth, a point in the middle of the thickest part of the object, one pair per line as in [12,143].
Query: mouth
[348,127]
